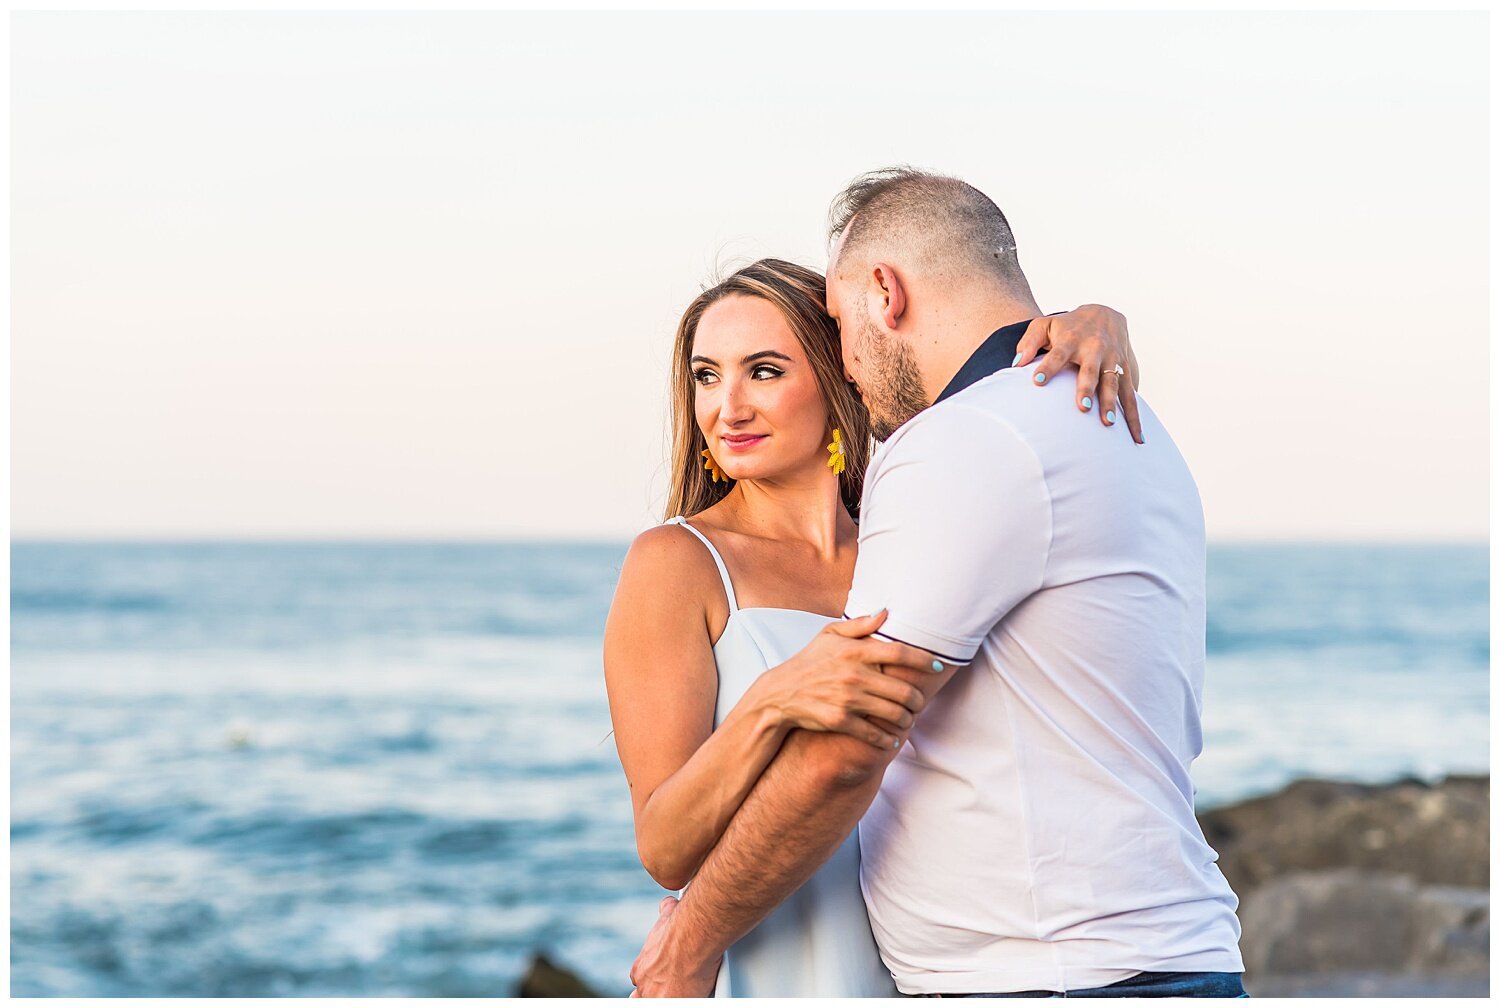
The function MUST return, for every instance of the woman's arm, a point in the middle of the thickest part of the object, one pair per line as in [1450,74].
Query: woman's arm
[686,778]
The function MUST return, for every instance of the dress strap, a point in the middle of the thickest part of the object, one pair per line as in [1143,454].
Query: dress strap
[718,560]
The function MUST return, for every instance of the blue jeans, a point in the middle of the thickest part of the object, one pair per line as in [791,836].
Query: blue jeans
[1223,985]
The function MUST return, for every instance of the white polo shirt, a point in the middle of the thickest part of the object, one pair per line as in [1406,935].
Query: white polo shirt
[1037,832]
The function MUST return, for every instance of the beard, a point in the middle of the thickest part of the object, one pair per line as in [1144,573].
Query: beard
[892,389]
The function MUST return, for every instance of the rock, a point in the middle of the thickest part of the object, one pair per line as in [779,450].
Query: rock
[1358,890]
[545,978]
[1452,930]
[1313,922]
[1351,920]
[1436,834]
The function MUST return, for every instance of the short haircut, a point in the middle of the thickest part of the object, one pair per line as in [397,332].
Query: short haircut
[941,224]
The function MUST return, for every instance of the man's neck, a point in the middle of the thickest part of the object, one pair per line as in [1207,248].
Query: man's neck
[951,338]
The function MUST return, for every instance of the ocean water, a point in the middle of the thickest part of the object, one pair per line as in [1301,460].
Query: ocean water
[383,769]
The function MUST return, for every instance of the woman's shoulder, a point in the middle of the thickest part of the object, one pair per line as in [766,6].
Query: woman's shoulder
[669,554]
[658,623]
[667,539]
[669,584]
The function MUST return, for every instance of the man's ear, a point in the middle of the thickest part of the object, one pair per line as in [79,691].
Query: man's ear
[893,295]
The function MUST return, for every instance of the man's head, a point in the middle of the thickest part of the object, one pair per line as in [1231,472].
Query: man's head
[913,256]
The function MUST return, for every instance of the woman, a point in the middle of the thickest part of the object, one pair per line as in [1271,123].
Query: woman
[702,646]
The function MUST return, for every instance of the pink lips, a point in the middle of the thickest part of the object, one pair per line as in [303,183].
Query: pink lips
[739,442]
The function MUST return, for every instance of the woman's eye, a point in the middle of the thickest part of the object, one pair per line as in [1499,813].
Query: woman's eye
[774,373]
[700,375]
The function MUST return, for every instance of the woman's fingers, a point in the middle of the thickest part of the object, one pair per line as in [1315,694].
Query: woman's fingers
[1116,397]
[1099,386]
[1090,336]
[897,691]
[1035,339]
[1088,384]
[887,710]
[1109,397]
[866,731]
[879,652]
[859,626]
[899,734]
[1130,407]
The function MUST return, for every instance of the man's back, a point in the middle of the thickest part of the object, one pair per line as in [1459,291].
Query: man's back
[1037,832]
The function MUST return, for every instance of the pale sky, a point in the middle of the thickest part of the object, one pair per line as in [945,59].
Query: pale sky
[292,275]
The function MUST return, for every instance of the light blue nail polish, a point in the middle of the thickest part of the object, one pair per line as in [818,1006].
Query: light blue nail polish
[1110,416]
[937,666]
[1016,361]
[1088,403]
[1041,379]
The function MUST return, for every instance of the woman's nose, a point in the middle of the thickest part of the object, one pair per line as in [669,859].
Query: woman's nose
[737,405]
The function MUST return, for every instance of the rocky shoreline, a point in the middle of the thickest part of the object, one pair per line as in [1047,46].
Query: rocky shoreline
[1346,890]
[1359,890]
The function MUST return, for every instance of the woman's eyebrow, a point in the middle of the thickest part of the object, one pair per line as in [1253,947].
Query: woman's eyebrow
[743,360]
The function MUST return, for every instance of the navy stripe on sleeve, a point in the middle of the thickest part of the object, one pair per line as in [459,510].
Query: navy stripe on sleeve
[897,640]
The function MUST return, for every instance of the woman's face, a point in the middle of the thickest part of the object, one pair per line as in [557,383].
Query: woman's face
[756,399]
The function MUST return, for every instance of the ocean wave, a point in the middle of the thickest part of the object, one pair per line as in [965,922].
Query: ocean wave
[81,601]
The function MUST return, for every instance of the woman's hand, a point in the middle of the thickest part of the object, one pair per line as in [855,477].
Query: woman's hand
[836,684]
[1095,338]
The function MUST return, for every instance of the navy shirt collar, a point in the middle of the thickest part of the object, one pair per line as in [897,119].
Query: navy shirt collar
[995,353]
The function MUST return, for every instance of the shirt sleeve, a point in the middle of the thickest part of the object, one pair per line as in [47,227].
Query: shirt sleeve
[955,529]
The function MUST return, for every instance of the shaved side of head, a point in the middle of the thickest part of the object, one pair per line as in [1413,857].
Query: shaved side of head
[937,225]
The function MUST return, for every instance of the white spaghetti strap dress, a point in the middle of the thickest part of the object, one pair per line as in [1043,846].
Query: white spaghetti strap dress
[818,943]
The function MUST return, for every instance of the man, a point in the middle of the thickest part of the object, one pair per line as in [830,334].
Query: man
[1036,833]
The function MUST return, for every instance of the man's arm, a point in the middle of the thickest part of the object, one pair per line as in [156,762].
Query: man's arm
[804,806]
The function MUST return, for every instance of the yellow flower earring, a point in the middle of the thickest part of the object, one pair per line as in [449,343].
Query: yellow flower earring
[717,474]
[836,452]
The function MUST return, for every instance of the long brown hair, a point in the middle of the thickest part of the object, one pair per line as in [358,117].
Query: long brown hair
[797,292]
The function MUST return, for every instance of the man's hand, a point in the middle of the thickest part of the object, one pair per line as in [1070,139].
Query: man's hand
[1095,338]
[656,971]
